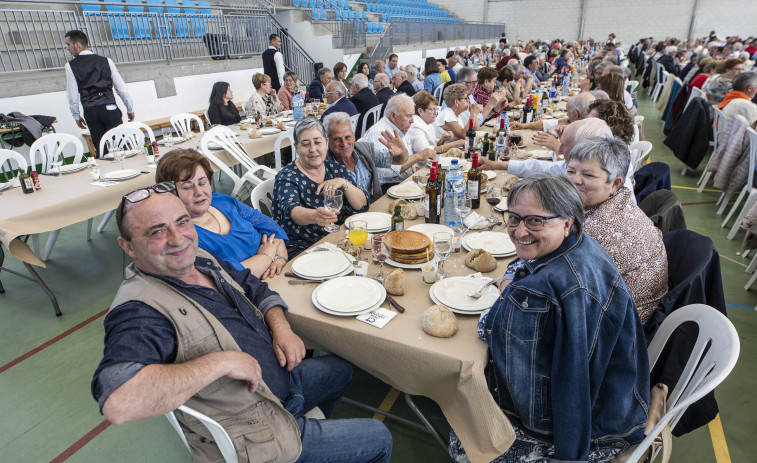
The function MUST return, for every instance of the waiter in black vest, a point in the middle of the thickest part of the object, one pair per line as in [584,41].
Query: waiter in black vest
[91,78]
[273,62]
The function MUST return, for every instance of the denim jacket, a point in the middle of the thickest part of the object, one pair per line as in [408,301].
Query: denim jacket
[568,358]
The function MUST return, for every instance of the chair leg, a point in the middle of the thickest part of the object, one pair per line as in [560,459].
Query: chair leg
[89,229]
[744,211]
[735,206]
[751,281]
[35,243]
[105,220]
[752,265]
[720,199]
[51,239]
[685,169]
[724,203]
[703,181]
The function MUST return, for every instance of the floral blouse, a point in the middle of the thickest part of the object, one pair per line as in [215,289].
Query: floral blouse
[293,188]
[635,246]
[265,105]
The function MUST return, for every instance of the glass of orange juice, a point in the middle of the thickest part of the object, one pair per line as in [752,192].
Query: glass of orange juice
[358,235]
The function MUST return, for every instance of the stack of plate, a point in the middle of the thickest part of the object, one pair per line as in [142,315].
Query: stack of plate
[376,222]
[3,186]
[127,154]
[497,244]
[68,169]
[365,295]
[453,292]
[545,155]
[410,247]
[407,190]
[429,229]
[118,175]
[321,265]
[269,131]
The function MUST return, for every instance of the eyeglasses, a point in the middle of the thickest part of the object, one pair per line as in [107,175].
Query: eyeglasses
[142,194]
[532,222]
[470,82]
[266,83]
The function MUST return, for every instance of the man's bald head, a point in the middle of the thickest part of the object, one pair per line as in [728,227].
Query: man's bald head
[580,130]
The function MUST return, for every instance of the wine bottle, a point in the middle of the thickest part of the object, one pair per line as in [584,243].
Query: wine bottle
[431,200]
[474,183]
[27,186]
[470,139]
[148,147]
[485,145]
[398,222]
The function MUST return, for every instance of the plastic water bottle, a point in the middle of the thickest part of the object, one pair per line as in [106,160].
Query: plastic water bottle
[454,187]
[298,106]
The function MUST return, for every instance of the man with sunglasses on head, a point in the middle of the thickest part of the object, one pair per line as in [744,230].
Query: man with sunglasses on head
[187,328]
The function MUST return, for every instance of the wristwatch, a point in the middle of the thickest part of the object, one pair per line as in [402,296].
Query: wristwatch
[346,185]
[280,257]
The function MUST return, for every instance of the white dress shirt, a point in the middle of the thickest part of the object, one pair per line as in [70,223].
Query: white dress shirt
[278,58]
[387,172]
[420,135]
[72,89]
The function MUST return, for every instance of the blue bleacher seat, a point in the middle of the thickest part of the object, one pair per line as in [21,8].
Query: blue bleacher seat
[180,23]
[196,23]
[139,22]
[118,24]
[91,9]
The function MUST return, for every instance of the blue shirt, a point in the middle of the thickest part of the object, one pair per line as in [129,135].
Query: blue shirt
[362,176]
[243,239]
[137,335]
[452,73]
[431,82]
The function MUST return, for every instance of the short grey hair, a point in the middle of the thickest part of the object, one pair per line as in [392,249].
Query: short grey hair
[556,194]
[383,78]
[411,70]
[671,49]
[592,127]
[515,67]
[395,103]
[322,72]
[581,104]
[401,74]
[744,80]
[338,87]
[600,94]
[361,80]
[307,123]
[336,118]
[614,156]
[463,74]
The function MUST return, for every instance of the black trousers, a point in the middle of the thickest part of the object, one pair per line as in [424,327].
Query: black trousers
[99,120]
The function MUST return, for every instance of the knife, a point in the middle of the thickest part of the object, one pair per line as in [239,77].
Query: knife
[393,302]
[304,282]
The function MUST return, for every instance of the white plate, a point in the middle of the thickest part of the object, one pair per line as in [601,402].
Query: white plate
[545,155]
[363,293]
[269,131]
[429,229]
[128,154]
[490,174]
[502,206]
[4,186]
[453,293]
[176,140]
[498,244]
[319,265]
[285,119]
[447,161]
[393,263]
[214,146]
[320,307]
[374,221]
[68,169]
[121,174]
[405,191]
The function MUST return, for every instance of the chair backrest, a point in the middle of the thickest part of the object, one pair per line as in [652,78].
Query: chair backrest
[374,115]
[639,152]
[631,85]
[703,370]
[222,439]
[353,121]
[719,123]
[277,149]
[262,195]
[49,148]
[752,157]
[143,127]
[438,93]
[695,92]
[8,157]
[182,123]
[124,136]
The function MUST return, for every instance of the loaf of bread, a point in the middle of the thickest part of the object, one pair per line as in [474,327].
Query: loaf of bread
[407,211]
[509,182]
[439,321]
[245,126]
[481,261]
[395,282]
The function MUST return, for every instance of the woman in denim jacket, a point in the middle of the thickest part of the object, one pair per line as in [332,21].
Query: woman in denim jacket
[568,363]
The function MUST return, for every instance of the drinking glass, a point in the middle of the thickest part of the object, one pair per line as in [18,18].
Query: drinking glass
[493,197]
[57,164]
[358,235]
[167,137]
[332,201]
[422,180]
[442,249]
[118,155]
[380,251]
[463,207]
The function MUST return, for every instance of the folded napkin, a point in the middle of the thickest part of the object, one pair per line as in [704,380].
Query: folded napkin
[480,276]
[378,318]
[322,247]
[103,183]
[474,221]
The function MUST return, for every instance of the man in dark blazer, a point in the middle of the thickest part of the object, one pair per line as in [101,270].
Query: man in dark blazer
[317,87]
[362,97]
[381,87]
[399,79]
[336,95]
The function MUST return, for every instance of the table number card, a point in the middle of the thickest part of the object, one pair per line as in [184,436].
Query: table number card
[378,318]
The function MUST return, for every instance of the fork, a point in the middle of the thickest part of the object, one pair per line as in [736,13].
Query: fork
[480,292]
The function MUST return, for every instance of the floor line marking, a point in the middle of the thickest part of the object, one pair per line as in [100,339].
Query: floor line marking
[695,188]
[739,306]
[728,259]
[52,341]
[718,440]
[387,403]
[699,203]
[87,438]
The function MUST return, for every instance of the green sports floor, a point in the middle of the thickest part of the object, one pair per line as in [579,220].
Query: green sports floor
[46,363]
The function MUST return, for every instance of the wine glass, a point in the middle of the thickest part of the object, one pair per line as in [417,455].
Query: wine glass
[118,155]
[57,165]
[380,250]
[332,201]
[442,249]
[493,197]
[167,137]
[463,206]
[358,235]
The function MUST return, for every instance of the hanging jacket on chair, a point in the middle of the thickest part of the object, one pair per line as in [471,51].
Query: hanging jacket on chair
[690,139]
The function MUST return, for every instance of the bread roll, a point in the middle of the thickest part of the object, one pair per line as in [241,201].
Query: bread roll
[395,282]
[454,153]
[407,211]
[510,181]
[245,126]
[481,261]
[439,321]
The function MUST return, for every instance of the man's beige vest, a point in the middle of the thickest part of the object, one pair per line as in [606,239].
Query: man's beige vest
[261,429]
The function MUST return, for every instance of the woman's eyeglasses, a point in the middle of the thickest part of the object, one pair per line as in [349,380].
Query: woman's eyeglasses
[532,222]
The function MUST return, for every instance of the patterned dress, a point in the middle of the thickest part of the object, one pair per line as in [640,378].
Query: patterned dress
[635,246]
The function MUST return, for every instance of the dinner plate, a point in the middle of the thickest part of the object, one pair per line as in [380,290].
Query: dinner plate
[502,206]
[285,119]
[176,141]
[4,186]
[497,244]
[320,307]
[321,264]
[269,131]
[69,168]
[124,174]
[364,293]
[375,222]
[453,293]
[429,229]
[214,146]
[406,190]
[545,155]
[490,174]
[127,154]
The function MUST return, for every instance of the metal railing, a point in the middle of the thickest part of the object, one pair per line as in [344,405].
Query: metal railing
[32,40]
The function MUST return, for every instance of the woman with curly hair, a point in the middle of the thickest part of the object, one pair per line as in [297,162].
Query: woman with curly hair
[617,117]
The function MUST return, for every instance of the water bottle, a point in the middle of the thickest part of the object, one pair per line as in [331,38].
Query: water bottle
[454,187]
[298,106]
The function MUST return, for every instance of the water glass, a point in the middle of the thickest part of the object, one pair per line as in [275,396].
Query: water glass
[332,201]
[463,206]
[118,155]
[167,137]
[57,165]
[379,252]
[442,249]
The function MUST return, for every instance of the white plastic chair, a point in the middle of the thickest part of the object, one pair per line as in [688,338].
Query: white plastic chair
[703,371]
[719,123]
[277,149]
[9,157]
[696,92]
[749,191]
[182,123]
[255,173]
[125,137]
[659,85]
[374,114]
[262,195]
[143,127]
[631,85]
[438,91]
[354,120]
[639,153]
[46,150]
